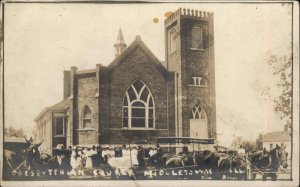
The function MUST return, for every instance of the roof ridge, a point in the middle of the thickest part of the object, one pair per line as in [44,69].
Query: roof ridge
[138,43]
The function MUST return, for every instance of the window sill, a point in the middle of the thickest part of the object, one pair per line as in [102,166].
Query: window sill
[198,86]
[136,129]
[86,129]
[196,49]
[59,136]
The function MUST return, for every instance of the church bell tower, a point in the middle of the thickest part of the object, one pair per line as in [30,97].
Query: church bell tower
[120,43]
[189,37]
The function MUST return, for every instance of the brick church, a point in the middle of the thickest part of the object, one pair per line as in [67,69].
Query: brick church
[137,96]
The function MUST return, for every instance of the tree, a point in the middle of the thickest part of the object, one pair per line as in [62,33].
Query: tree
[237,142]
[12,132]
[249,146]
[259,143]
[282,68]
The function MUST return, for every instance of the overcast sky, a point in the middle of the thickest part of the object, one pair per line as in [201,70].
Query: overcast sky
[43,40]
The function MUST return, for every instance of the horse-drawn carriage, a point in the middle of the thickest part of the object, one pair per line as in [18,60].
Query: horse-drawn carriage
[268,164]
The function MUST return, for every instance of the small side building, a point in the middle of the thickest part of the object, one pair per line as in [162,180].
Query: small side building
[281,138]
[51,126]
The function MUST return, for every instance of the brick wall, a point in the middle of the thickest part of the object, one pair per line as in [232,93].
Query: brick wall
[138,66]
[197,64]
[66,88]
[104,106]
[85,91]
[188,63]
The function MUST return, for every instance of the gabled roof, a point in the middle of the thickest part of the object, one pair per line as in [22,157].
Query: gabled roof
[138,43]
[61,105]
[278,136]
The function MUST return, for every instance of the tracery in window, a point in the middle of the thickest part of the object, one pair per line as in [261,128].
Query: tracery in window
[198,112]
[138,107]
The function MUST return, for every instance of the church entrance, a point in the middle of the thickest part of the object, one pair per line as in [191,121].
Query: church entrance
[198,122]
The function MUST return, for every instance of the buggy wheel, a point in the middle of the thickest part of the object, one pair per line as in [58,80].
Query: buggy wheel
[273,176]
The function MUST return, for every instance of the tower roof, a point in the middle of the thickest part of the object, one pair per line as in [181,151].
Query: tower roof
[120,38]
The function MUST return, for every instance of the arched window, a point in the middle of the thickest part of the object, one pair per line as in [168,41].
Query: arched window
[198,112]
[198,81]
[86,117]
[198,121]
[203,82]
[191,81]
[138,107]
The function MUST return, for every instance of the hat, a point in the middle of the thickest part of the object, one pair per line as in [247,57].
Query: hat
[59,146]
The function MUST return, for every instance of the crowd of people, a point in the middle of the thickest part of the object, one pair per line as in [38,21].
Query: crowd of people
[78,157]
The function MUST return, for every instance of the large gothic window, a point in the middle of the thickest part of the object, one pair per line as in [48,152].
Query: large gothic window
[86,117]
[138,107]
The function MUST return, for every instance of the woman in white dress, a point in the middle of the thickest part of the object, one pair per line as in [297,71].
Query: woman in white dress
[79,160]
[88,163]
[134,153]
[124,151]
[73,161]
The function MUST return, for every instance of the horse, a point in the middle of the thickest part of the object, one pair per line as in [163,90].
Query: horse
[29,159]
[211,162]
[220,164]
[34,160]
[159,160]
[269,161]
[11,163]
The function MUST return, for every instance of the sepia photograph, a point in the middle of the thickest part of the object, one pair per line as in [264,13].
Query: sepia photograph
[141,93]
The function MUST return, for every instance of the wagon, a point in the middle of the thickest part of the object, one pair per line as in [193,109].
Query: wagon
[265,173]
